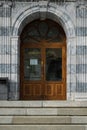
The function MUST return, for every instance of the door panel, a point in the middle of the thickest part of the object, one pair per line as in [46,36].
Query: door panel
[54,91]
[32,91]
[32,64]
[43,71]
[54,64]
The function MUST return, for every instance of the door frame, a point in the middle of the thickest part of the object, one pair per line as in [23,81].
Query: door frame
[49,45]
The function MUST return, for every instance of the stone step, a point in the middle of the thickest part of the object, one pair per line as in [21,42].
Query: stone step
[52,104]
[43,115]
[43,127]
[44,111]
[46,120]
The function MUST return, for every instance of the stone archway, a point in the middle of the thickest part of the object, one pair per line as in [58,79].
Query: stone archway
[43,61]
[53,12]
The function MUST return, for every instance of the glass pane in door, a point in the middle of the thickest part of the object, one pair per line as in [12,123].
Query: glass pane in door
[54,64]
[32,64]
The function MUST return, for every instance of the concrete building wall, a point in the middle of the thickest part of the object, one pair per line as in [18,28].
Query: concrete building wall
[73,18]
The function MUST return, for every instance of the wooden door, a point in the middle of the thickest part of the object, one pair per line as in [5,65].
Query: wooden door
[43,71]
[43,61]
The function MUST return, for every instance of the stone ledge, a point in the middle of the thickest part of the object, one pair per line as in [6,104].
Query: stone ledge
[43,127]
[30,104]
[51,119]
[43,111]
[37,120]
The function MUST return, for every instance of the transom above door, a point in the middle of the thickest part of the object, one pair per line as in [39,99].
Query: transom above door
[43,62]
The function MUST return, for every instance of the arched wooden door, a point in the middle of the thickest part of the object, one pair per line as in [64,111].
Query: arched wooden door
[43,62]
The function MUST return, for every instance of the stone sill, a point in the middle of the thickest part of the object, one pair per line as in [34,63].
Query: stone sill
[42,104]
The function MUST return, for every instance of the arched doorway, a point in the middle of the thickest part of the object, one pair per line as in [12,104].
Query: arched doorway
[43,61]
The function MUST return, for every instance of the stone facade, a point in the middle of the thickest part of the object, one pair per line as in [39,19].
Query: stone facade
[73,18]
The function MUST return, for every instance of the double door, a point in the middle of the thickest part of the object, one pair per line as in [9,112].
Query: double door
[43,71]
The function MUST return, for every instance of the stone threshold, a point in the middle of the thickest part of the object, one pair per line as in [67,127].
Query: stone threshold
[38,120]
[43,127]
[43,104]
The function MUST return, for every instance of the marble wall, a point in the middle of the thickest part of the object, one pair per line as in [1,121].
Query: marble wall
[73,18]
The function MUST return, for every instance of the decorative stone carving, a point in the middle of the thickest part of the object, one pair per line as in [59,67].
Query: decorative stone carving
[82,11]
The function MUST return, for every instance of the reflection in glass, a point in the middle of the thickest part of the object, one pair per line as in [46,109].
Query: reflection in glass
[43,30]
[53,64]
[53,32]
[32,64]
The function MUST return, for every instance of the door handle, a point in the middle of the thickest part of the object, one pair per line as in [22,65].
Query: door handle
[64,79]
[42,65]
